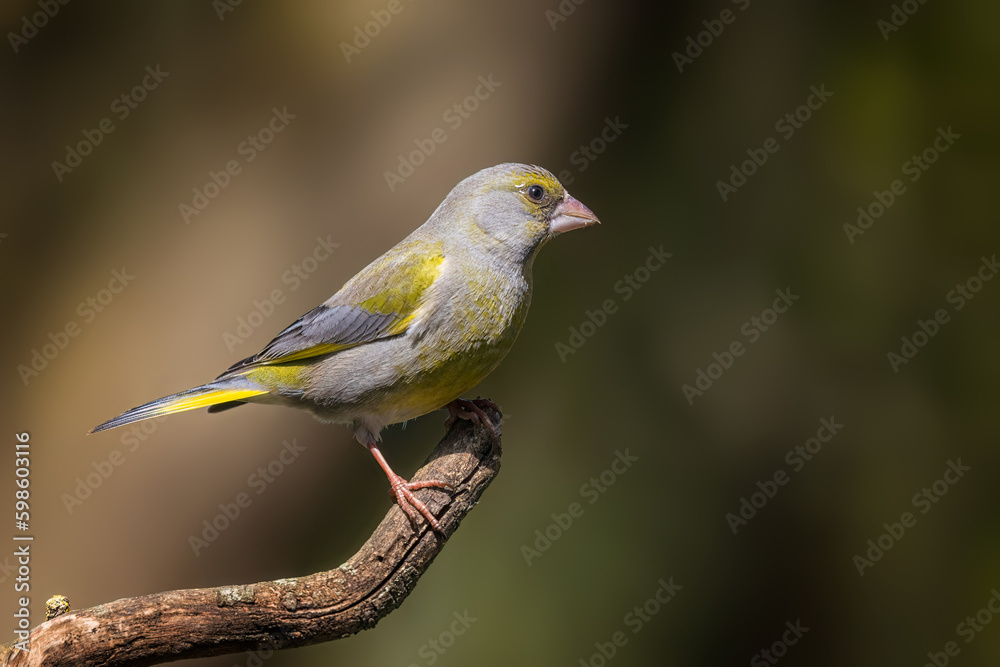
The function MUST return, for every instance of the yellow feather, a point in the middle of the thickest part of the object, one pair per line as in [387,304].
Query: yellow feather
[409,284]
[207,399]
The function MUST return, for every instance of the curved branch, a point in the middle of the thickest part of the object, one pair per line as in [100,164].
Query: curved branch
[284,613]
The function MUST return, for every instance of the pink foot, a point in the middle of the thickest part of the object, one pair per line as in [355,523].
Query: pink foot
[402,492]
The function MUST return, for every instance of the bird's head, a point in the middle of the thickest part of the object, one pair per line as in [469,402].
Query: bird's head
[516,208]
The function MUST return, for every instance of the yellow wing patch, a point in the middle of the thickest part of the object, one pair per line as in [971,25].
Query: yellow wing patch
[409,284]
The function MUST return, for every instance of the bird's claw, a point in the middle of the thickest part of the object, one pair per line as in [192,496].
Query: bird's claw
[473,410]
[402,492]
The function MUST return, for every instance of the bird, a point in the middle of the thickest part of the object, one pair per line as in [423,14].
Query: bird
[414,330]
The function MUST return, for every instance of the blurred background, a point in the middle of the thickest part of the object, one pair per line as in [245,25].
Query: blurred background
[740,137]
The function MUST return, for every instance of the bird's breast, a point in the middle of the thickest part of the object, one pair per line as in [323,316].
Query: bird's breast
[461,341]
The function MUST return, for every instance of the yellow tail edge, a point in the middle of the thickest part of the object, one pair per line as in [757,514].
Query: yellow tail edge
[192,399]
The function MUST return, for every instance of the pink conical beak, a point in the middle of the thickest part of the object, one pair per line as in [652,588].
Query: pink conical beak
[571,214]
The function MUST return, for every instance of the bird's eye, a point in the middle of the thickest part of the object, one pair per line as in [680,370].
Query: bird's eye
[536,193]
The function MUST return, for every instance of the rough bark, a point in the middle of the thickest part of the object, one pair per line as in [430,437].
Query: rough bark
[284,613]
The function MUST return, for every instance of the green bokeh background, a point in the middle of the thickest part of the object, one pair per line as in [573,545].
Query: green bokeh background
[565,419]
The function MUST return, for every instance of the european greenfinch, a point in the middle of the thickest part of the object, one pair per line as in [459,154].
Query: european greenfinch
[415,329]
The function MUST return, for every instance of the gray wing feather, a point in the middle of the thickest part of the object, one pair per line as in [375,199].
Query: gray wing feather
[338,325]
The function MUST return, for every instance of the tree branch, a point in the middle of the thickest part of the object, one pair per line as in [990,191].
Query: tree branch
[285,613]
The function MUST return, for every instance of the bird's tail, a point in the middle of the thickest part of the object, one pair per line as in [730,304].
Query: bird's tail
[210,394]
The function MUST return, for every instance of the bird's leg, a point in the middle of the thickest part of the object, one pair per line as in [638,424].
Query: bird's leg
[402,491]
[473,410]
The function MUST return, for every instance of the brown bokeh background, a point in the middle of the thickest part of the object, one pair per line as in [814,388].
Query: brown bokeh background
[655,184]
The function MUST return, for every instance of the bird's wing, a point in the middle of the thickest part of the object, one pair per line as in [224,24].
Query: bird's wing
[379,302]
